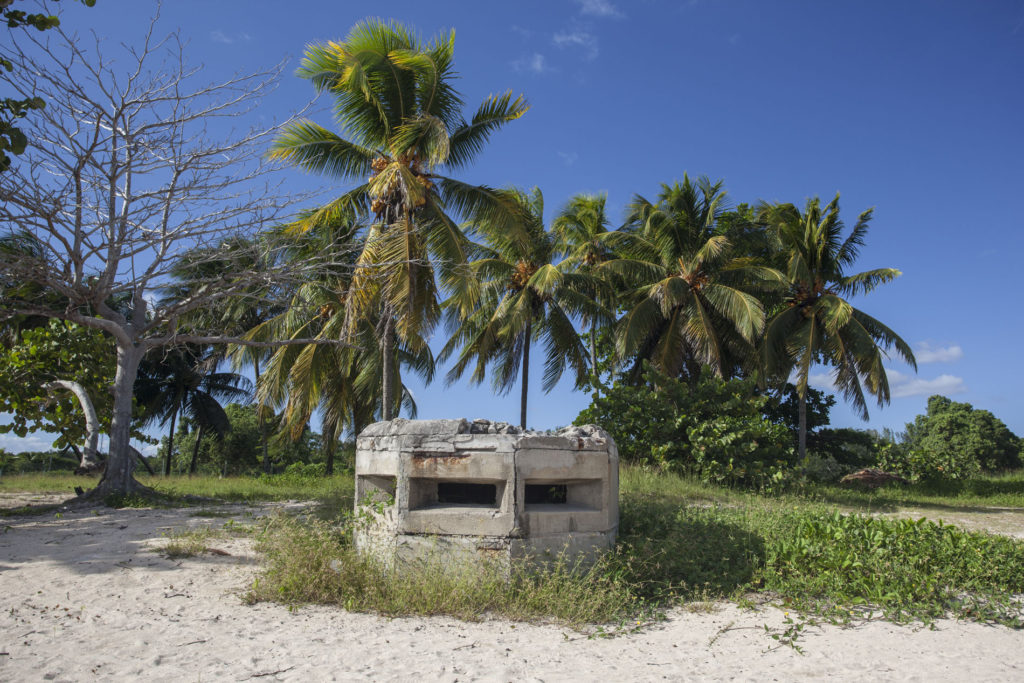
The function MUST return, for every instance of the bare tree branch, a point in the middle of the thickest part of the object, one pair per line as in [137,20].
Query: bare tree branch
[135,163]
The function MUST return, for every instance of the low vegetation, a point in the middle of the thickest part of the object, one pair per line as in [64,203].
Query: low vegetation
[819,551]
[187,490]
[187,543]
[681,542]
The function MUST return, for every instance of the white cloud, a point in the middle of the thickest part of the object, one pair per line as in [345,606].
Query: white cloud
[219,36]
[576,38]
[926,353]
[535,63]
[819,380]
[568,158]
[903,385]
[39,441]
[598,8]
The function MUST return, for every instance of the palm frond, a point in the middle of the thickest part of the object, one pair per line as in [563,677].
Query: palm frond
[494,112]
[316,149]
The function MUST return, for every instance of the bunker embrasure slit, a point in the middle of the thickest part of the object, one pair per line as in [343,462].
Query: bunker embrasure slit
[465,493]
[375,489]
[546,494]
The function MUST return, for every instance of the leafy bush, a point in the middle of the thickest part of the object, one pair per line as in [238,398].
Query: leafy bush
[928,466]
[714,428]
[783,407]
[296,473]
[853,447]
[823,469]
[953,431]
[748,450]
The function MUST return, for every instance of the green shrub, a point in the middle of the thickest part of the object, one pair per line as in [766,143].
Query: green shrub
[953,431]
[928,466]
[822,469]
[296,474]
[747,450]
[854,447]
[714,428]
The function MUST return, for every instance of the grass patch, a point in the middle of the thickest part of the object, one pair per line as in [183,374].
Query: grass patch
[1003,490]
[29,510]
[313,561]
[330,491]
[130,500]
[44,482]
[187,543]
[195,541]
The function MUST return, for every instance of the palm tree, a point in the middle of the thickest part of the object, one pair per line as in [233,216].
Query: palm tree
[402,121]
[520,296]
[341,381]
[178,380]
[243,307]
[585,235]
[815,322]
[690,301]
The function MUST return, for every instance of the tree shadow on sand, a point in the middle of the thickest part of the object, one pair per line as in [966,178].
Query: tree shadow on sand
[99,540]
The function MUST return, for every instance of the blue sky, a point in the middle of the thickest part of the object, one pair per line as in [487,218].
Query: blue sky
[913,108]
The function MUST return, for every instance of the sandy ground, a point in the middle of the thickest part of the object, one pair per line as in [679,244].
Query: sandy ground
[84,596]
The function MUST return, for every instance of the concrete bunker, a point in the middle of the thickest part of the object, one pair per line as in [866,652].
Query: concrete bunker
[470,490]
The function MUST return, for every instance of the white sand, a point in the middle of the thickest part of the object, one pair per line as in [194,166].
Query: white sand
[84,597]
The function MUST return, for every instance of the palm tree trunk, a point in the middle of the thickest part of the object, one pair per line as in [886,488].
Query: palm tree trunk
[261,422]
[802,412]
[170,445]
[387,349]
[195,451]
[526,374]
[593,357]
[330,437]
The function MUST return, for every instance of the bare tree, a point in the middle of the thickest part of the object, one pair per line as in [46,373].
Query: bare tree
[135,161]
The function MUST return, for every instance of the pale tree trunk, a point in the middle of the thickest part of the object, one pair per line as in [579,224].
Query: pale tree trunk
[117,477]
[387,349]
[802,448]
[526,374]
[593,357]
[91,461]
